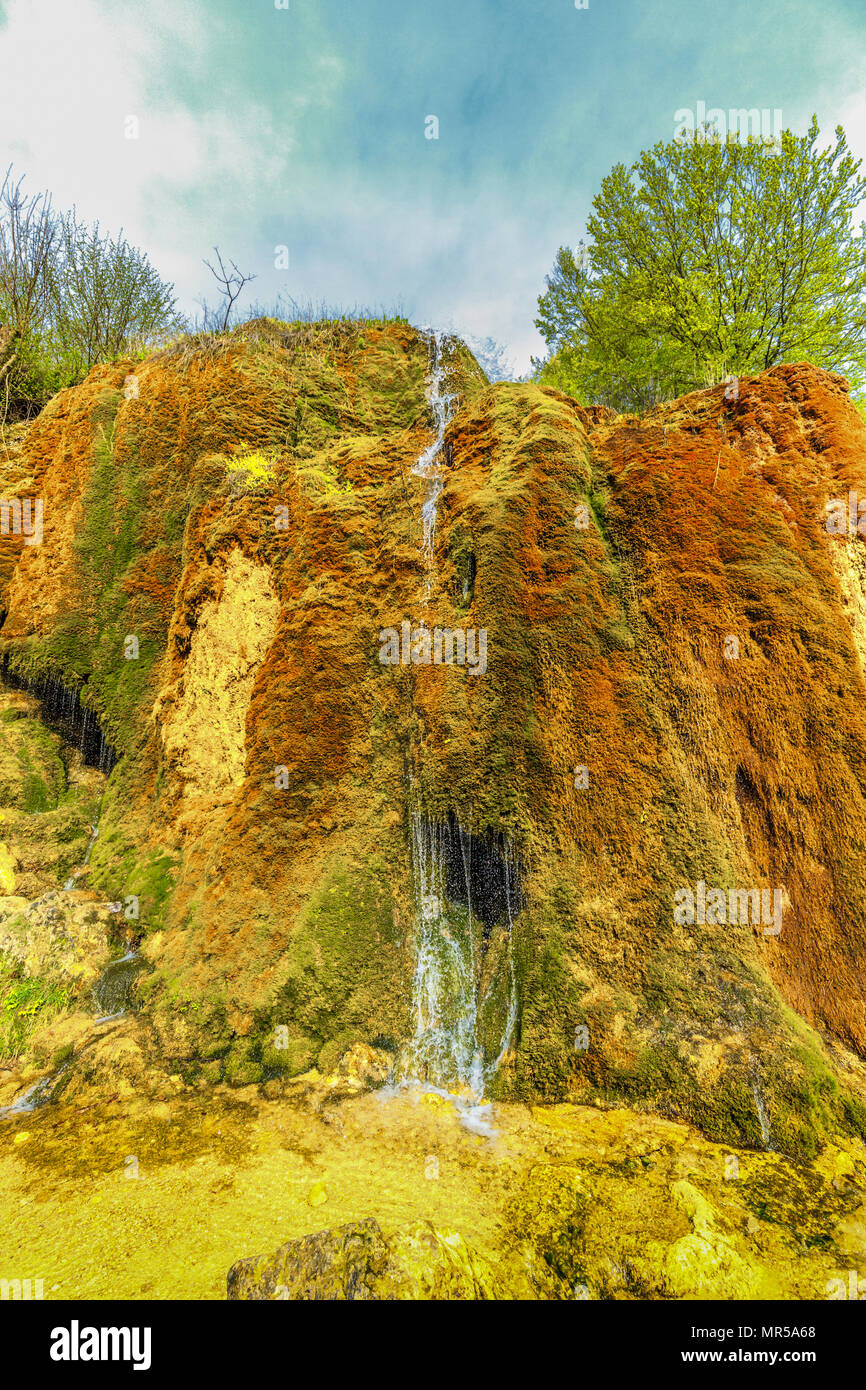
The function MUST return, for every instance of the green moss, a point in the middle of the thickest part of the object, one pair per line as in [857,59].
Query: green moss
[800,1200]
[298,1056]
[121,871]
[239,1069]
[345,968]
[25,1002]
[334,1050]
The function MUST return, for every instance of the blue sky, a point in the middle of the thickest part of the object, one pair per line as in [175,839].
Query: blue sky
[305,127]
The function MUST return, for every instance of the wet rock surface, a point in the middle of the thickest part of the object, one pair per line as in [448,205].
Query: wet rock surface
[63,937]
[355,1262]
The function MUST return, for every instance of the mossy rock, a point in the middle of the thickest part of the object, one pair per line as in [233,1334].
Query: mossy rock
[346,973]
[239,1069]
[356,1263]
[544,1224]
[298,1055]
[333,1050]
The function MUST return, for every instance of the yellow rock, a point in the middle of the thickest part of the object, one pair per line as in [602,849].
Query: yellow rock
[702,1264]
[438,1102]
[318,1195]
[7,870]
[22,1137]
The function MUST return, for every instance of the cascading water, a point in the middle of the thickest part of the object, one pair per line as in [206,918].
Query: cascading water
[62,708]
[444,1049]
[76,874]
[464,1023]
[443,404]
[113,990]
[738,1016]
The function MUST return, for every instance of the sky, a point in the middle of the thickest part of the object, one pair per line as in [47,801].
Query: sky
[195,123]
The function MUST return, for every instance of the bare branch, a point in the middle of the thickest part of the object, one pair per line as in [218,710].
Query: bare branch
[231,282]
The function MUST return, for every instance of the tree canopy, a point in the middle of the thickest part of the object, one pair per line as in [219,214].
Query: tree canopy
[708,258]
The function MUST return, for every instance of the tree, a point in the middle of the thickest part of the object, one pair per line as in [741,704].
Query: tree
[29,231]
[231,283]
[708,258]
[109,300]
[70,296]
[28,239]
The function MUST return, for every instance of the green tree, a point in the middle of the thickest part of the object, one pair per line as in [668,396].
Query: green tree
[108,300]
[70,296]
[711,257]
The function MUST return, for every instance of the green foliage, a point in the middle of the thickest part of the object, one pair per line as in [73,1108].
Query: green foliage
[710,258]
[70,296]
[256,465]
[25,1002]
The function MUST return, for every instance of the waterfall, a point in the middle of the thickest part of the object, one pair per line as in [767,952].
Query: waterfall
[112,992]
[738,1017]
[443,404]
[76,874]
[463,887]
[444,1049]
[764,1123]
[62,709]
[458,1040]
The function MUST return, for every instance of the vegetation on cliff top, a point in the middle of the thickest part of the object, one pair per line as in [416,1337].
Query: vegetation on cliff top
[711,257]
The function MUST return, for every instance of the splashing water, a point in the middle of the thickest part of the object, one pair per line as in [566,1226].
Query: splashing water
[443,405]
[451,1016]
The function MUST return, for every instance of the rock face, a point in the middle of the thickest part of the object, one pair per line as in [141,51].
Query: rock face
[62,938]
[356,1262]
[202,719]
[672,706]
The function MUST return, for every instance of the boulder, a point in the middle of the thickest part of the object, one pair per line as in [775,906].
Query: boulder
[357,1262]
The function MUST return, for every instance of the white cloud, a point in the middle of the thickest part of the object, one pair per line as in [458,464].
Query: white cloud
[72,76]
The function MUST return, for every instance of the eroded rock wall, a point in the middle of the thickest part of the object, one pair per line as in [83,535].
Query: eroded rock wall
[672,695]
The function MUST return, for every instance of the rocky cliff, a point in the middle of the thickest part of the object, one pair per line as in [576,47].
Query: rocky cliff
[663,759]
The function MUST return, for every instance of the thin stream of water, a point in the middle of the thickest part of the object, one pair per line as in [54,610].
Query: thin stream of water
[443,404]
[444,1053]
